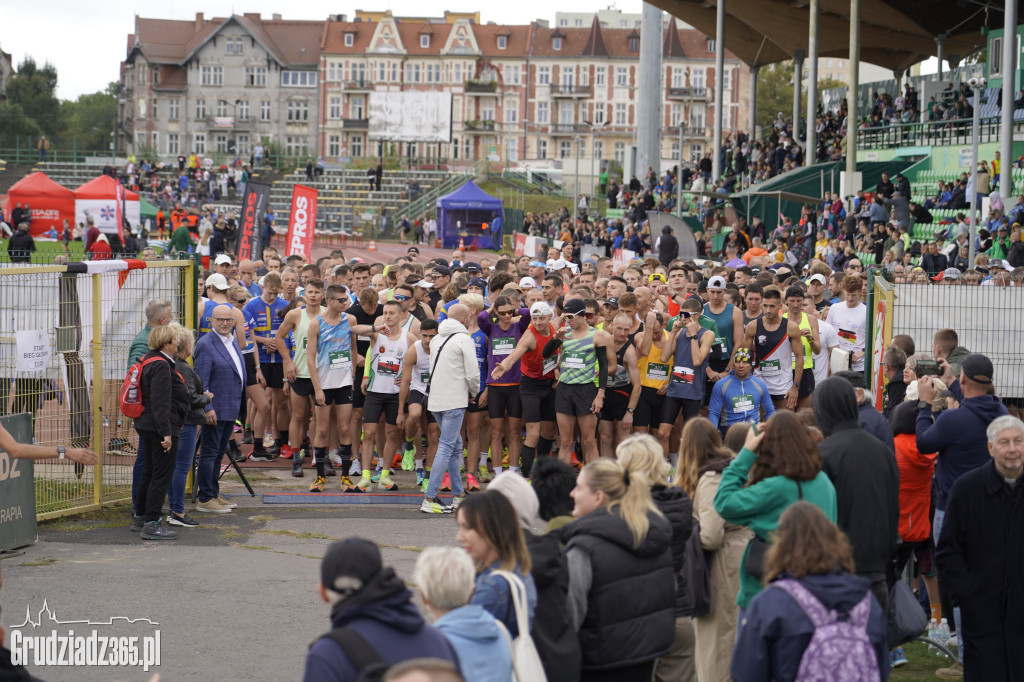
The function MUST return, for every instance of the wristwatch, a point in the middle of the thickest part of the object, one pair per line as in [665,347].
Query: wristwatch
[631,410]
[61,450]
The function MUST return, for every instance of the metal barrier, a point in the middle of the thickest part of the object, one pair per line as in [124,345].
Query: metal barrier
[65,332]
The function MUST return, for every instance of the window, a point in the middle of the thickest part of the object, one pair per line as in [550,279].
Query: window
[697,120]
[222,108]
[556,43]
[356,106]
[487,113]
[697,76]
[296,145]
[622,76]
[568,75]
[995,58]
[577,23]
[211,75]
[298,79]
[141,108]
[140,139]
[467,147]
[334,108]
[425,40]
[298,111]
[598,149]
[356,145]
[711,45]
[696,152]
[359,73]
[634,44]
[265,110]
[511,112]
[542,149]
[599,113]
[334,145]
[200,109]
[563,22]
[173,146]
[599,76]
[678,76]
[623,23]
[256,76]
[542,112]
[725,79]
[220,143]
[394,72]
[620,114]
[457,78]
[234,46]
[433,73]
[543,75]
[512,74]
[334,71]
[243,110]
[142,75]
[565,112]
[619,152]
[350,39]
[412,73]
[173,109]
[674,150]
[156,75]
[242,143]
[502,42]
[199,143]
[839,63]
[674,116]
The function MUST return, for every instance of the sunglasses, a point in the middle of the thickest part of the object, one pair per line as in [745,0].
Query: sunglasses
[240,301]
[506,312]
[342,300]
[568,316]
[590,316]
[401,297]
[223,319]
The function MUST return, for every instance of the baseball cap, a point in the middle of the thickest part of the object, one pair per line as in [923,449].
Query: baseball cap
[612,302]
[350,565]
[222,259]
[574,306]
[424,284]
[977,367]
[1003,227]
[218,281]
[413,248]
[473,267]
[527,283]
[717,283]
[540,308]
[479,282]
[951,273]
[817,277]
[443,271]
[999,263]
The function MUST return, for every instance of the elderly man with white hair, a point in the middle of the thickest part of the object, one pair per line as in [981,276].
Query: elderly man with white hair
[445,577]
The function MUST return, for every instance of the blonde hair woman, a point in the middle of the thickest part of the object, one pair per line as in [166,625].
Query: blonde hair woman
[621,582]
[643,458]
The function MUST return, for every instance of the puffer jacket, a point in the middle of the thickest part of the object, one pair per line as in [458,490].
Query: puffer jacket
[677,507]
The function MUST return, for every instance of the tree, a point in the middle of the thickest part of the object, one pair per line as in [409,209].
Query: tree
[34,90]
[774,93]
[90,119]
[15,124]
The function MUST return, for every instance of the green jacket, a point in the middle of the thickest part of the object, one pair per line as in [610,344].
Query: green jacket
[181,240]
[139,347]
[758,507]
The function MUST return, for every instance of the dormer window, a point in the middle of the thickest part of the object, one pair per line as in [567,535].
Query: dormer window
[425,40]
[556,43]
[350,39]
[634,44]
[502,42]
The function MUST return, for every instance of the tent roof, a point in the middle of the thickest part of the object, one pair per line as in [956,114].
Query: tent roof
[469,196]
[103,187]
[894,33]
[146,209]
[39,184]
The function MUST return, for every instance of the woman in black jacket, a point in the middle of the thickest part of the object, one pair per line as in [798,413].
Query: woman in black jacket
[165,405]
[198,399]
[643,458]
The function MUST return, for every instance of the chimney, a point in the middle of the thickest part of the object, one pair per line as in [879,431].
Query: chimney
[199,20]
[276,17]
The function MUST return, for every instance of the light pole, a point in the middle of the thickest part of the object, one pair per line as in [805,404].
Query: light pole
[575,200]
[977,85]
[593,154]
[679,171]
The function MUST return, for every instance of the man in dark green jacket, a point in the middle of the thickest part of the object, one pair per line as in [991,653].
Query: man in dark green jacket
[181,239]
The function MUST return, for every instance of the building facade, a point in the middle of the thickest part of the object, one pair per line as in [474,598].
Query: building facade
[218,86]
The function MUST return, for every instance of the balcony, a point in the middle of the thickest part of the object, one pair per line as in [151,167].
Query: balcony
[569,90]
[355,123]
[688,93]
[228,123]
[359,85]
[569,128]
[480,87]
[480,126]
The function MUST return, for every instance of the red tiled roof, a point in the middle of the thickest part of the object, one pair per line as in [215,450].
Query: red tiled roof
[517,40]
[334,37]
[409,34]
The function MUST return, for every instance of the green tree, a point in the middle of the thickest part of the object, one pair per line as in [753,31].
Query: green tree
[34,89]
[774,93]
[90,119]
[16,128]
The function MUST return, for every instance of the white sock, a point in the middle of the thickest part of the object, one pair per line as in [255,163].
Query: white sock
[497,470]
[355,465]
[335,457]
[673,459]
[483,460]
[513,469]
[418,463]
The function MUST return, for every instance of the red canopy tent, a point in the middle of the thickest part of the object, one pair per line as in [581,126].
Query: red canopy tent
[49,201]
[98,199]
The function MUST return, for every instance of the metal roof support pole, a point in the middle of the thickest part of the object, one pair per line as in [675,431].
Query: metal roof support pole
[716,150]
[811,153]
[851,100]
[1009,80]
[972,186]
[798,84]
[940,44]
[650,92]
[754,73]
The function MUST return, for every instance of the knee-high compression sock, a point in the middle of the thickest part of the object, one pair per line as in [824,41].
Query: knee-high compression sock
[526,459]
[284,437]
[319,458]
[346,459]
[544,446]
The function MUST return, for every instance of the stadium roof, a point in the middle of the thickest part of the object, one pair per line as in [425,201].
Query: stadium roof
[894,33]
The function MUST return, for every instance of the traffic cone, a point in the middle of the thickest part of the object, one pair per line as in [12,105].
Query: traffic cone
[372,246]
[462,245]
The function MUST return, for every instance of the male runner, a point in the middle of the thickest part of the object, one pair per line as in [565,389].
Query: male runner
[686,351]
[809,337]
[412,404]
[623,390]
[264,312]
[739,396]
[766,336]
[653,374]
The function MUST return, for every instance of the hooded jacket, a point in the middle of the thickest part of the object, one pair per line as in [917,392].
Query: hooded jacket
[483,651]
[677,507]
[776,630]
[455,373]
[872,421]
[958,436]
[864,473]
[916,470]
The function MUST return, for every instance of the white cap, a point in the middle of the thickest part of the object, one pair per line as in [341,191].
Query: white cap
[222,259]
[999,263]
[218,281]
[552,264]
[527,283]
[717,283]
[424,284]
[541,308]
[817,277]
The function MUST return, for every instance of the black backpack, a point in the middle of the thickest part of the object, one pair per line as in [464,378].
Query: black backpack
[370,667]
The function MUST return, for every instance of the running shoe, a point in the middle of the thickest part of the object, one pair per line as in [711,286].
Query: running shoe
[386,483]
[446,483]
[398,460]
[286,451]
[471,484]
[129,449]
[262,455]
[238,428]
[247,437]
[318,485]
[376,475]
[408,458]
[457,500]
[364,483]
[484,474]
[421,476]
[898,658]
[434,506]
[576,462]
[329,468]
[297,467]
[346,485]
[183,520]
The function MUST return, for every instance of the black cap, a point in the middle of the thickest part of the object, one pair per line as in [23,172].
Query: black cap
[977,368]
[441,262]
[442,270]
[473,267]
[478,282]
[575,306]
[612,302]
[413,248]
[856,379]
[350,565]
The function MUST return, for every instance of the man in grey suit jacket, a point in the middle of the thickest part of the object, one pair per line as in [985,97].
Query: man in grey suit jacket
[218,362]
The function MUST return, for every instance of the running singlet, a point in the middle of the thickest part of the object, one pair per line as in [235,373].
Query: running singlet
[205,319]
[501,343]
[480,344]
[363,317]
[420,379]
[653,372]
[721,349]
[334,353]
[299,346]
[774,357]
[250,347]
[533,364]
[806,340]
[687,380]
[579,357]
[385,368]
[621,378]
[266,319]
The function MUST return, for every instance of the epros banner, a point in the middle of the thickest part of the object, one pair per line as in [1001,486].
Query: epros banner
[250,228]
[301,222]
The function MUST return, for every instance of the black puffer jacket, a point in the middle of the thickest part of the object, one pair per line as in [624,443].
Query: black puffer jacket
[552,631]
[196,396]
[677,507]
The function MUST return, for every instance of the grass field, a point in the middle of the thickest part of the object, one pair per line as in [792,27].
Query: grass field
[922,664]
[45,251]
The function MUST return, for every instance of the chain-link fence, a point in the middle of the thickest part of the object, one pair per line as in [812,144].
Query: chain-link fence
[65,331]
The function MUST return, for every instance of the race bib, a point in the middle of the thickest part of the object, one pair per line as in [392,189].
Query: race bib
[720,343]
[341,359]
[425,378]
[770,368]
[503,346]
[657,371]
[847,335]
[682,375]
[743,403]
[388,366]
[574,360]
[363,338]
[550,364]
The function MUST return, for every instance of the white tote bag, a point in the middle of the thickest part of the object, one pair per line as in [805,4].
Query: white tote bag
[525,659]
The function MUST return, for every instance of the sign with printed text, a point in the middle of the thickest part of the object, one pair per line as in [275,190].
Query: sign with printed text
[250,226]
[302,222]
[622,257]
[17,488]
[33,350]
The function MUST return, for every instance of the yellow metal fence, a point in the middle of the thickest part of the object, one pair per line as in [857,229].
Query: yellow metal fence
[65,332]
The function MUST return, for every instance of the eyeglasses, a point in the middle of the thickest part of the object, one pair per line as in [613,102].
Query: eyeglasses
[223,319]
[590,316]
[401,297]
[505,312]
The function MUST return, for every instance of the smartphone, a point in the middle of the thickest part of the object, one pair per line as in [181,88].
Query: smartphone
[927,368]
[754,425]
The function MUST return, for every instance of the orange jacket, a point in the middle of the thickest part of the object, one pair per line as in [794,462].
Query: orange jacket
[754,252]
[915,488]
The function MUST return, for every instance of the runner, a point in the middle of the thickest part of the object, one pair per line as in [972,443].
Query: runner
[623,390]
[366,313]
[504,325]
[729,320]
[739,396]
[255,383]
[412,404]
[767,336]
[476,411]
[686,351]
[577,399]
[849,317]
[329,362]
[653,374]
[808,325]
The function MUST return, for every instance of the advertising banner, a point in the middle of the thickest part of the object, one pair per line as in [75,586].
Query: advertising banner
[301,222]
[250,222]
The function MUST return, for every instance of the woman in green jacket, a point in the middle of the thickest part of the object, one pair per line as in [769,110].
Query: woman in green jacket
[778,465]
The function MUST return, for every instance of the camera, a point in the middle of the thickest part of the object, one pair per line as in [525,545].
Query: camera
[978,82]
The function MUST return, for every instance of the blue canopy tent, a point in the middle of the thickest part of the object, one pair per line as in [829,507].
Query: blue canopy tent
[463,215]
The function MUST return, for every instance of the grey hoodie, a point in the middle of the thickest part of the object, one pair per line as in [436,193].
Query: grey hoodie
[456,375]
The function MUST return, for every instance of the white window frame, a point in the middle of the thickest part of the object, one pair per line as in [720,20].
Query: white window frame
[502,42]
[350,39]
[424,40]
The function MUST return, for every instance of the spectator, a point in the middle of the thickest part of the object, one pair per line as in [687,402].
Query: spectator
[871,420]
[100,249]
[894,361]
[641,455]
[619,545]
[21,246]
[371,610]
[778,465]
[866,480]
[444,579]
[808,570]
[198,400]
[946,346]
[979,555]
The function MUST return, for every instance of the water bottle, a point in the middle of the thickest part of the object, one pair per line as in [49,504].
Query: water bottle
[942,636]
[933,633]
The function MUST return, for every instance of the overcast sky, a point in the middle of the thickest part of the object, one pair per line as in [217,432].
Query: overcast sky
[86,41]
